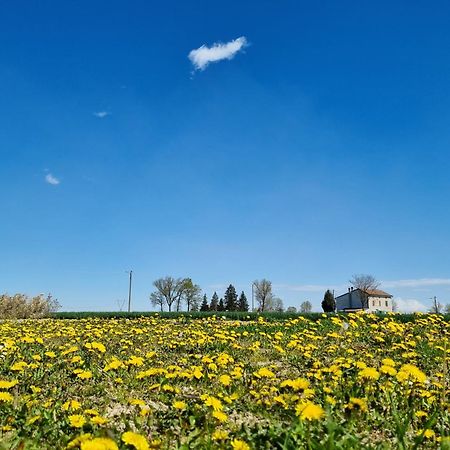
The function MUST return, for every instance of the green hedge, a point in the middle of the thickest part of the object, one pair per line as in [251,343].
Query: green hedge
[231,315]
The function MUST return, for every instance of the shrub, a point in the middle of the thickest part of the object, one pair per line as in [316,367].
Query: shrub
[20,306]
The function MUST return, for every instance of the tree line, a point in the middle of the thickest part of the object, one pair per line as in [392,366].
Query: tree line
[178,293]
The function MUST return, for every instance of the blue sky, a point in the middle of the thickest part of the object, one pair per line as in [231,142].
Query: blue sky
[319,150]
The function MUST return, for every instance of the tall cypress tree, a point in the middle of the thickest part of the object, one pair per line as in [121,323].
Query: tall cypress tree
[243,303]
[230,298]
[204,306]
[328,302]
[221,306]
[214,302]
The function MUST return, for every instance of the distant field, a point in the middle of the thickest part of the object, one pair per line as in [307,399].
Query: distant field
[196,381]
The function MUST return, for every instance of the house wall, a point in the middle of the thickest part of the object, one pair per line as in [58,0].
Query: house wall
[375,303]
[380,304]
[343,301]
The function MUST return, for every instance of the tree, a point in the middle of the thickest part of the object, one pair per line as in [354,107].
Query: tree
[328,302]
[221,306]
[306,307]
[214,302]
[243,303]
[291,309]
[263,293]
[436,307]
[169,290]
[447,308]
[274,304]
[20,306]
[204,305]
[191,295]
[365,283]
[158,299]
[230,298]
[394,306]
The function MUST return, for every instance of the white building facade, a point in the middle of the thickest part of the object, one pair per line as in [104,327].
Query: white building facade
[371,301]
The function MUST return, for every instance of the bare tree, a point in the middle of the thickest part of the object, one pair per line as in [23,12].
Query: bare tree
[263,293]
[120,303]
[447,308]
[158,299]
[169,290]
[274,304]
[191,295]
[306,307]
[436,307]
[364,283]
[394,306]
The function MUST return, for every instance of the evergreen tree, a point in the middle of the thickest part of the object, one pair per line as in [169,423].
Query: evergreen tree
[214,302]
[328,302]
[221,306]
[243,303]
[231,298]
[204,306]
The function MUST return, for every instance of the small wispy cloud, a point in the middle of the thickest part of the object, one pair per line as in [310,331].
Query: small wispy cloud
[204,55]
[417,283]
[101,114]
[50,179]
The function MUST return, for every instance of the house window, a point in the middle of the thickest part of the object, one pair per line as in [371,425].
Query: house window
[373,302]
[379,302]
[387,302]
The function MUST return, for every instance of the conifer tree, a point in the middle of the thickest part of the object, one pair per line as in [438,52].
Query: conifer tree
[221,306]
[231,298]
[204,306]
[328,302]
[214,302]
[243,303]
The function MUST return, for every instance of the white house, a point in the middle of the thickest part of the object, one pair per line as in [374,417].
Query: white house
[371,301]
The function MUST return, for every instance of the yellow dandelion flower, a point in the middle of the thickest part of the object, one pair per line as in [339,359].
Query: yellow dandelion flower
[85,374]
[264,373]
[214,402]
[356,404]
[99,420]
[179,405]
[8,384]
[99,444]
[237,444]
[75,443]
[6,397]
[77,420]
[220,416]
[219,435]
[369,373]
[309,411]
[135,440]
[225,380]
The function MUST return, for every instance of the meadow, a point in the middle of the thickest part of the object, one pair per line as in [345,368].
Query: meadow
[206,382]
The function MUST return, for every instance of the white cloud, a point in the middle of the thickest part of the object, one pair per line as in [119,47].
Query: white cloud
[204,55]
[50,179]
[420,282]
[102,114]
[410,305]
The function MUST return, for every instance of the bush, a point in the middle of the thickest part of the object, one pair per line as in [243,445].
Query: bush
[20,306]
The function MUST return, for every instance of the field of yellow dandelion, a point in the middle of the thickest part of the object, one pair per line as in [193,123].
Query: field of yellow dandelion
[360,381]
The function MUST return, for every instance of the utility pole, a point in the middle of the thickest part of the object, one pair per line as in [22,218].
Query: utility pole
[129,291]
[253,297]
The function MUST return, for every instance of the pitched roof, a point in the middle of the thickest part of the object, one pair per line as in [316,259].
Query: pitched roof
[377,293]
[370,293]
